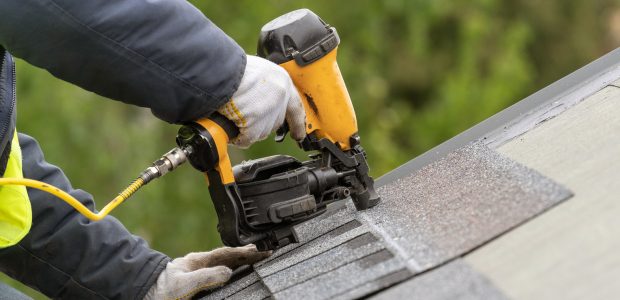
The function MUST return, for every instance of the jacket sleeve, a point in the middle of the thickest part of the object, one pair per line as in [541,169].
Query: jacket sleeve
[67,256]
[161,54]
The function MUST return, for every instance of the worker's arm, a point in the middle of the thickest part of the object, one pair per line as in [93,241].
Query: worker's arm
[164,55]
[66,256]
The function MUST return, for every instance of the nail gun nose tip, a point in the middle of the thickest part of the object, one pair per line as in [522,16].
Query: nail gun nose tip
[344,193]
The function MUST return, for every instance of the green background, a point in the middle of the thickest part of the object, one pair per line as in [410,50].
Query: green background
[419,72]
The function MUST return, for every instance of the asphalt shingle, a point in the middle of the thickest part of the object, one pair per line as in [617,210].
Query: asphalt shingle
[457,203]
[354,249]
[238,285]
[376,285]
[338,215]
[345,278]
[331,239]
[255,291]
[455,280]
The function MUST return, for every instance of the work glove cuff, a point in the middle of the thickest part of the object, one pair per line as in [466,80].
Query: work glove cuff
[265,100]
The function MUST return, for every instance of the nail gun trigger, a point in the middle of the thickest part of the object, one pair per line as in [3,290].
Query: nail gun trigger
[281,132]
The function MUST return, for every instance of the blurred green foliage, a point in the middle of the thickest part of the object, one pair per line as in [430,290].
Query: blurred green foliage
[419,72]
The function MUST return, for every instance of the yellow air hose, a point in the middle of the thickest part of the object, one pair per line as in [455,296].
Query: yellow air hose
[126,193]
[160,167]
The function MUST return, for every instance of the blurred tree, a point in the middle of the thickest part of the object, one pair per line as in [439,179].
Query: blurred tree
[419,72]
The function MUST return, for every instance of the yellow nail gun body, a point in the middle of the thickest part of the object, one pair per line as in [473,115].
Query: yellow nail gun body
[329,112]
[259,201]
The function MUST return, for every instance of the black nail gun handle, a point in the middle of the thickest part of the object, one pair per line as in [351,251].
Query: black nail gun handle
[207,140]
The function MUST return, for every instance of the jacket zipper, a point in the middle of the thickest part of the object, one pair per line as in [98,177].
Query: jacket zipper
[5,123]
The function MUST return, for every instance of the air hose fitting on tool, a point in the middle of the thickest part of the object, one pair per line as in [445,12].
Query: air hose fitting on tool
[159,168]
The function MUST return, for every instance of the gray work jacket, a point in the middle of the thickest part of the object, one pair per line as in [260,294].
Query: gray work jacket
[164,55]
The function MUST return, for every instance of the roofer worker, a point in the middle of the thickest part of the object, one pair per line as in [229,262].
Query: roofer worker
[164,55]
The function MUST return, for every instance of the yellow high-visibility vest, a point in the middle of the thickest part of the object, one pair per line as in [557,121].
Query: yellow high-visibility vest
[15,211]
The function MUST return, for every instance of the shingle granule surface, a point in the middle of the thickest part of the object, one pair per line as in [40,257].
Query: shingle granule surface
[458,203]
[455,280]
[231,289]
[325,262]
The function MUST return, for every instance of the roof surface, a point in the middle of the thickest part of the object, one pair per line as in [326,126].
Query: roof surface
[453,222]
[571,252]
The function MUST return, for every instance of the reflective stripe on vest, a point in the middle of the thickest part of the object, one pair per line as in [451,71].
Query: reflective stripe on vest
[15,211]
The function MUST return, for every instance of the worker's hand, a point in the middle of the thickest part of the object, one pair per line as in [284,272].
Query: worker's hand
[195,272]
[265,98]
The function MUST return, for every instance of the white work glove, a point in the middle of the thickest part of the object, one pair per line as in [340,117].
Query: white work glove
[265,98]
[186,276]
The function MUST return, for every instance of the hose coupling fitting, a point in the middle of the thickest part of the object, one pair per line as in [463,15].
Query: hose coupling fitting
[168,162]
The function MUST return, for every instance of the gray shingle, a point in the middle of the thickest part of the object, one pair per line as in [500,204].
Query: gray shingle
[375,285]
[455,280]
[234,287]
[457,203]
[256,291]
[352,250]
[313,248]
[337,215]
[345,278]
